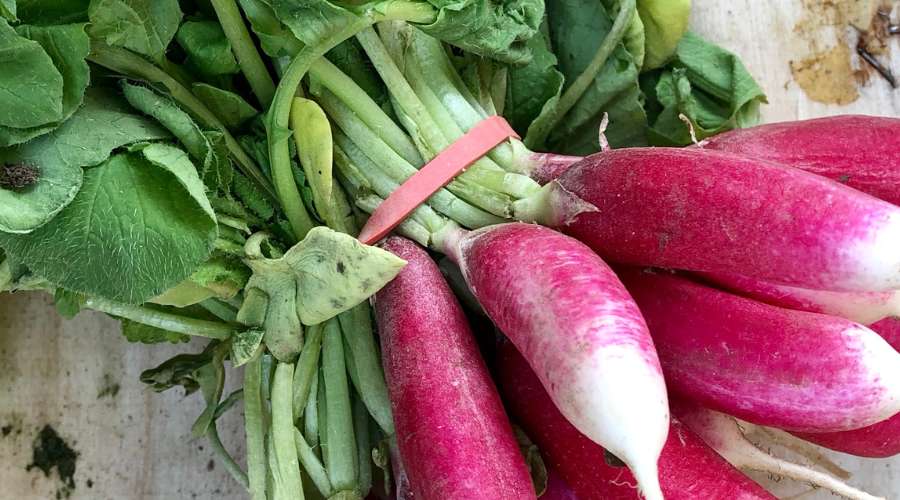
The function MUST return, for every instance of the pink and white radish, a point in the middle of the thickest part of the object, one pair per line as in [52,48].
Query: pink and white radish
[879,440]
[454,438]
[568,314]
[717,212]
[768,365]
[862,307]
[723,434]
[862,152]
[688,469]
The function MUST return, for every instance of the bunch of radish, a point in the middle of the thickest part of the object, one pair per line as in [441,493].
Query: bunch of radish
[754,285]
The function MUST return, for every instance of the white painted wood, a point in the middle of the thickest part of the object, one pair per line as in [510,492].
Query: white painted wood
[138,445]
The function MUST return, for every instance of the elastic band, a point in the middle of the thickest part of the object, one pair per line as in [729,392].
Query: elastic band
[437,173]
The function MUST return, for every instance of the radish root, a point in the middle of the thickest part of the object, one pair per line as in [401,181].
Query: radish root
[804,449]
[722,433]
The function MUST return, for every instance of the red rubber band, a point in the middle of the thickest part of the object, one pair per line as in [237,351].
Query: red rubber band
[437,173]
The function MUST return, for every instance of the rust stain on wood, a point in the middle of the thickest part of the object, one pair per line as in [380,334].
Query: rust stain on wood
[830,72]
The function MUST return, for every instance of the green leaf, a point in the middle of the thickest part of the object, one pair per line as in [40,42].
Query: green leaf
[312,21]
[208,148]
[52,12]
[231,108]
[252,197]
[101,125]
[665,22]
[635,39]
[143,26]
[31,88]
[177,371]
[498,29]
[221,277]
[577,28]
[245,345]
[320,277]
[207,48]
[145,334]
[532,86]
[68,304]
[275,38]
[66,46]
[8,10]
[152,196]
[312,135]
[707,84]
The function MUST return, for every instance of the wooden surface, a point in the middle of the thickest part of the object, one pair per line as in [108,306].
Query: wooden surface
[134,443]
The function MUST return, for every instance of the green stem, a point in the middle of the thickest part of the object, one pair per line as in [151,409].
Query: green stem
[409,228]
[359,334]
[6,277]
[255,428]
[163,320]
[212,434]
[278,120]
[245,52]
[357,100]
[220,310]
[287,468]
[584,80]
[363,446]
[431,136]
[311,412]
[340,456]
[471,204]
[130,64]
[312,465]
[307,364]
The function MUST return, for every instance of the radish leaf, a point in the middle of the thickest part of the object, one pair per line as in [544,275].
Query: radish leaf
[140,224]
[102,124]
[143,26]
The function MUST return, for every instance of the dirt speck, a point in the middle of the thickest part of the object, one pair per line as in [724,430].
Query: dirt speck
[52,452]
[108,388]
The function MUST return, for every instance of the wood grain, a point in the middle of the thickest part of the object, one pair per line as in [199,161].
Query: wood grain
[137,443]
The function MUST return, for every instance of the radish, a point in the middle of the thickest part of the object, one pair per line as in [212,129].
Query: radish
[569,315]
[724,435]
[454,438]
[718,212]
[768,365]
[557,489]
[863,307]
[880,440]
[688,469]
[862,152]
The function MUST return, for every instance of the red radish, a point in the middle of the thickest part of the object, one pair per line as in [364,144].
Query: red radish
[718,212]
[688,469]
[771,366]
[880,440]
[557,489]
[863,307]
[454,438]
[572,319]
[549,166]
[862,152]
[723,434]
